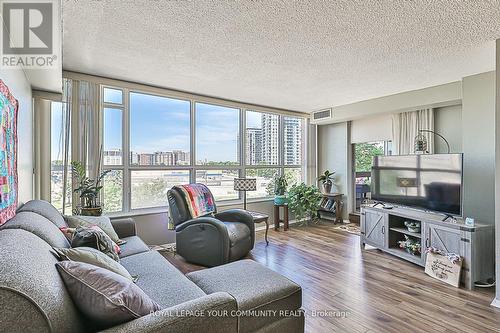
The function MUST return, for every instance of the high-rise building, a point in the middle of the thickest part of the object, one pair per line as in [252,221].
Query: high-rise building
[181,157]
[254,146]
[270,139]
[112,157]
[292,140]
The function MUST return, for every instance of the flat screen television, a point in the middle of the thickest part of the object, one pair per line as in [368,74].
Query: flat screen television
[430,182]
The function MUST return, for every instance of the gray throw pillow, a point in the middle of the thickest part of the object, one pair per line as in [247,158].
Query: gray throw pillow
[102,222]
[94,257]
[106,298]
[94,237]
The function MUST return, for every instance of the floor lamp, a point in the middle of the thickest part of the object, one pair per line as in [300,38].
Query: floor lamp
[245,184]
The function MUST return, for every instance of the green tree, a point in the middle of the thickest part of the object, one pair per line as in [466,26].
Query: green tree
[364,153]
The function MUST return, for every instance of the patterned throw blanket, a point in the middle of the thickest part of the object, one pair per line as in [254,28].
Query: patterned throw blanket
[199,199]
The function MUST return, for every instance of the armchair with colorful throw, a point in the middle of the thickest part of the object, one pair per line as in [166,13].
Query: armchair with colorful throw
[204,236]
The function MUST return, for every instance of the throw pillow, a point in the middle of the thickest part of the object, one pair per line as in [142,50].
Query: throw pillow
[68,233]
[102,222]
[94,257]
[96,238]
[104,297]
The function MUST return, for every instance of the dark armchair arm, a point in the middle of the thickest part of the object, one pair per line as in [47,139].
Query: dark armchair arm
[238,215]
[124,227]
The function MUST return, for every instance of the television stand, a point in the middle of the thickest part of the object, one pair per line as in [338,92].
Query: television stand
[384,229]
[448,216]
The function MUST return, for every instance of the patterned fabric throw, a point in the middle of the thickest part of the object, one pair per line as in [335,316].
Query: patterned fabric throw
[198,198]
[8,154]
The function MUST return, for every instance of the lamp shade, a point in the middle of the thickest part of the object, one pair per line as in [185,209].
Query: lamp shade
[245,184]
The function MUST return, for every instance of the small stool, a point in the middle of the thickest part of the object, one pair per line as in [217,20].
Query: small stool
[277,219]
[261,217]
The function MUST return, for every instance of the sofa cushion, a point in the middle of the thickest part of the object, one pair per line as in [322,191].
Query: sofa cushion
[94,257]
[132,246]
[45,209]
[40,226]
[160,280]
[237,231]
[106,298]
[274,291]
[102,222]
[32,294]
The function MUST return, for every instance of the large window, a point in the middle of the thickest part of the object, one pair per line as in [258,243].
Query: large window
[363,161]
[262,138]
[217,132]
[159,130]
[293,141]
[220,182]
[153,142]
[149,187]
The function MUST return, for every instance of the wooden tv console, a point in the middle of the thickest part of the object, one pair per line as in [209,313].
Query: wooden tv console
[383,228]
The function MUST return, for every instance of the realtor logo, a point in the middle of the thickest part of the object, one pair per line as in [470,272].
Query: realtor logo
[27,34]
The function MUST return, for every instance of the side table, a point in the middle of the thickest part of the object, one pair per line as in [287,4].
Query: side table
[277,219]
[261,217]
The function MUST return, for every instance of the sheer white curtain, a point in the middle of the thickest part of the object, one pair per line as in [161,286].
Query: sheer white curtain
[80,132]
[406,126]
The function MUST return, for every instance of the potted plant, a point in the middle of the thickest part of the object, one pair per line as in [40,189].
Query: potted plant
[88,189]
[280,185]
[327,180]
[303,201]
[410,245]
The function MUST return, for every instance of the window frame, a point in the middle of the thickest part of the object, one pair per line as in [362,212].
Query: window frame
[127,168]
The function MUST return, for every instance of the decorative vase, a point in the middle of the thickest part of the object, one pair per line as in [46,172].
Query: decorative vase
[327,187]
[91,211]
[279,199]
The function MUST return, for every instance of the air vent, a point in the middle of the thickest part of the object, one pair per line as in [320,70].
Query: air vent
[320,116]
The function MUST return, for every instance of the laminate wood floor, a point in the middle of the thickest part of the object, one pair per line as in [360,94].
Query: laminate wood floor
[376,291]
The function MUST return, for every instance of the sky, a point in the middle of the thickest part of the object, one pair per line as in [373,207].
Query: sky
[163,124]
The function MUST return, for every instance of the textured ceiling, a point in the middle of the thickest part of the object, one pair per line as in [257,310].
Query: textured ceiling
[296,55]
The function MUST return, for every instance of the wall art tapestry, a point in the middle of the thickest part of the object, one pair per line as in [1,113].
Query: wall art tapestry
[8,154]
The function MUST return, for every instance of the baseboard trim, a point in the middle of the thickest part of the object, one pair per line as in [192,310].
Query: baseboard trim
[496,303]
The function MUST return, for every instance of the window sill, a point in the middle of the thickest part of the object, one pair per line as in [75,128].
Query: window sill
[164,209]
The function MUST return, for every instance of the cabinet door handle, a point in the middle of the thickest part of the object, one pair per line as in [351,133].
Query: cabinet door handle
[426,243]
[383,229]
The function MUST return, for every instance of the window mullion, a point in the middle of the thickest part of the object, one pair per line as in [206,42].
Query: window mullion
[126,152]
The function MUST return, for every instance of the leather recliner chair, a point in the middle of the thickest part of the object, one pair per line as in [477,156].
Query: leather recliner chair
[210,240]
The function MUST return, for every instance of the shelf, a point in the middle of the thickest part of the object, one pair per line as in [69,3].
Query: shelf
[326,210]
[417,259]
[406,232]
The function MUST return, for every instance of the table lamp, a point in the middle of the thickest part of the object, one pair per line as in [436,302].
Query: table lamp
[245,184]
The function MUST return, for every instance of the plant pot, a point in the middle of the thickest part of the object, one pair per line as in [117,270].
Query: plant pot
[91,211]
[327,187]
[280,199]
[415,229]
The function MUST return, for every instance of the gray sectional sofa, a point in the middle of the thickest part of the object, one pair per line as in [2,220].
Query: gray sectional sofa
[243,296]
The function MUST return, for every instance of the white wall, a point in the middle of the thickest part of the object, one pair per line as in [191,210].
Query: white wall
[373,128]
[21,89]
[448,123]
[334,154]
[437,96]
